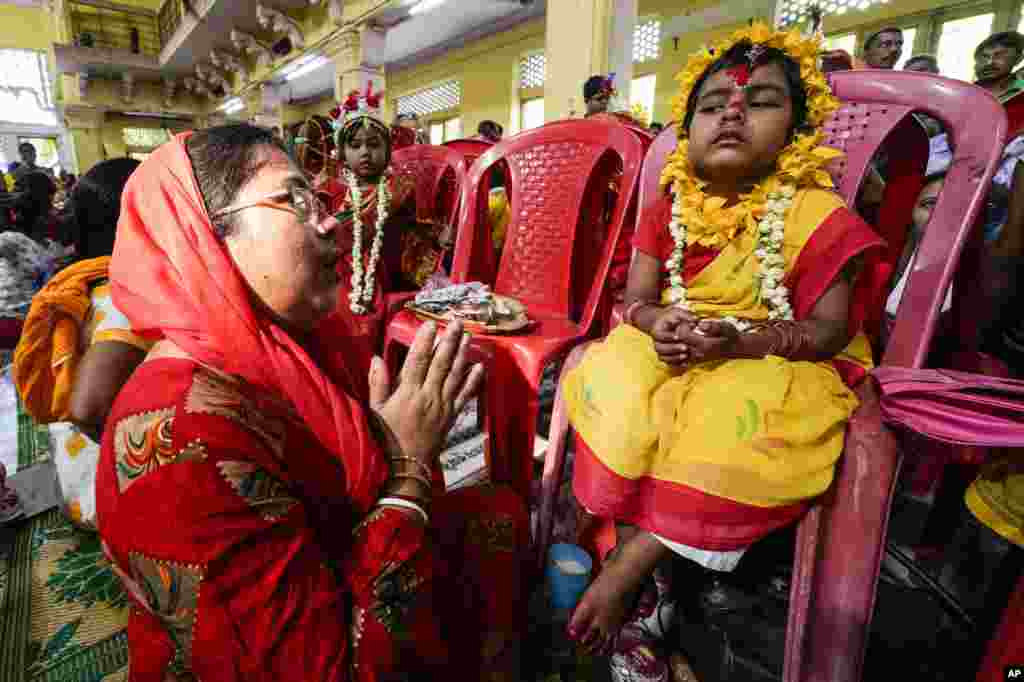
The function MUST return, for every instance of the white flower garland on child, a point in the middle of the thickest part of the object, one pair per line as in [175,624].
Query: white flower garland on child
[770,235]
[363,288]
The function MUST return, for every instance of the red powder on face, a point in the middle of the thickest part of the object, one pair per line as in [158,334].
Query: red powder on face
[740,74]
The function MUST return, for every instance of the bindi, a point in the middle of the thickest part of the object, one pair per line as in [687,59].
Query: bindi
[741,73]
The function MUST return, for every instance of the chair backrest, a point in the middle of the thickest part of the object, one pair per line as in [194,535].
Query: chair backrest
[438,174]
[650,177]
[874,102]
[549,171]
[470,149]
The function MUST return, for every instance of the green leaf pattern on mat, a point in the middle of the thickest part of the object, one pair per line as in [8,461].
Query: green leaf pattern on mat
[60,639]
[84,575]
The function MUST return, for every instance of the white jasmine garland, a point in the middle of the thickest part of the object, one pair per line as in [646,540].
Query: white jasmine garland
[364,284]
[770,236]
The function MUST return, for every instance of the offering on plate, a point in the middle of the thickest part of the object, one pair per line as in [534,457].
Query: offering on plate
[469,302]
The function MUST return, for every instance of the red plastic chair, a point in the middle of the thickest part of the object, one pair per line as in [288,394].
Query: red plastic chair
[549,170]
[438,174]
[841,540]
[469,148]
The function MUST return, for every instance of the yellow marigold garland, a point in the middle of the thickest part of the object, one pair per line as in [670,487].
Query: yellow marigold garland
[802,164]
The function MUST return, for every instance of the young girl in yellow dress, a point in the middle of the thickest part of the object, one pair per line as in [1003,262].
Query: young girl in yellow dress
[717,411]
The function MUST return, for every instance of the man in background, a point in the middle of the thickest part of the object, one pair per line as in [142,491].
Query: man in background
[883,49]
[490,131]
[27,152]
[597,93]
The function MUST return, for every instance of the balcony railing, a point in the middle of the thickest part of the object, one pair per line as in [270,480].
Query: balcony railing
[101,24]
[169,19]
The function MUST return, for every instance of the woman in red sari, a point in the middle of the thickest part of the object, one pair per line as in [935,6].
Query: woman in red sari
[376,212]
[268,510]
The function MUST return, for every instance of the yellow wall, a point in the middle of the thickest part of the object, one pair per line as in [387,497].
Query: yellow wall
[25,27]
[672,61]
[487,69]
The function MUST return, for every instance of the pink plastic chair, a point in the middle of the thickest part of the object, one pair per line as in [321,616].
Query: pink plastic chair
[840,542]
[549,170]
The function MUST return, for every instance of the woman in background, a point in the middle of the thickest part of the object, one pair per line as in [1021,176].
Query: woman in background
[77,349]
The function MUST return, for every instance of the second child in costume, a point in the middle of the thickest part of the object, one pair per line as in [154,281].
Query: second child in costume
[718,410]
[389,244]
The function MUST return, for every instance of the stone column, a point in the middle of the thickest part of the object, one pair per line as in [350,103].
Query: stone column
[85,124]
[358,56]
[584,38]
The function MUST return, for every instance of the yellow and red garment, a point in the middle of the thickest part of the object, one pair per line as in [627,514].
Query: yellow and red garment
[717,455]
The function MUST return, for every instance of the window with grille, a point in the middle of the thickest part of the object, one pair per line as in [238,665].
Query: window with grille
[647,41]
[797,11]
[531,70]
[441,97]
[25,88]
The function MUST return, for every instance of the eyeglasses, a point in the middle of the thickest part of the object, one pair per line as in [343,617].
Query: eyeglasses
[299,201]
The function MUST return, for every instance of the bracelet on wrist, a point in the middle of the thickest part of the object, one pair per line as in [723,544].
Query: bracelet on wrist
[415,477]
[401,503]
[418,463]
[633,308]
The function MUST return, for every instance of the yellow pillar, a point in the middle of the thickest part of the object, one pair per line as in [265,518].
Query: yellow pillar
[584,38]
[357,55]
[86,127]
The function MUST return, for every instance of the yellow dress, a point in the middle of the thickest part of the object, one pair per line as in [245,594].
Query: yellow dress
[763,433]
[996,497]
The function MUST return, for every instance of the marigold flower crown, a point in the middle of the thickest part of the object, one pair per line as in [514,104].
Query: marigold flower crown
[700,219]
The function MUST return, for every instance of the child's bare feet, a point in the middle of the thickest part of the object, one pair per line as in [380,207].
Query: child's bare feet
[605,605]
[608,602]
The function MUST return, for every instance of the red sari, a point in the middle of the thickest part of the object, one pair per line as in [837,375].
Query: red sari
[237,485]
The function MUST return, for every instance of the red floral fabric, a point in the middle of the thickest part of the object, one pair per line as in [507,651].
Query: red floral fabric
[226,521]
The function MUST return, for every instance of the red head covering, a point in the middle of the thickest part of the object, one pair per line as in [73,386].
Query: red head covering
[172,277]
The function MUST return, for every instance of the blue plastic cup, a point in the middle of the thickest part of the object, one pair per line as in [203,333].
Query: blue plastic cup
[568,572]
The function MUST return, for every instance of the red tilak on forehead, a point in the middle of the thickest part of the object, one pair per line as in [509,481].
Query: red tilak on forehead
[740,75]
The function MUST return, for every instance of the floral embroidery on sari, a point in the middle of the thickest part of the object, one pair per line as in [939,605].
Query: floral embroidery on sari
[269,497]
[216,395]
[395,592]
[496,533]
[143,443]
[170,592]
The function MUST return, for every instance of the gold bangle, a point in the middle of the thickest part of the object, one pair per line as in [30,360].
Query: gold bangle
[416,477]
[406,458]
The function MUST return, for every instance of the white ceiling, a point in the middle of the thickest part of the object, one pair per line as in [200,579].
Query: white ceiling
[411,39]
[453,23]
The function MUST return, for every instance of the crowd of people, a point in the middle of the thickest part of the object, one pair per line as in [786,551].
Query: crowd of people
[265,492]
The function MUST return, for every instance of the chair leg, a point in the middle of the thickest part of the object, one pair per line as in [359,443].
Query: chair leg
[854,513]
[554,460]
[808,534]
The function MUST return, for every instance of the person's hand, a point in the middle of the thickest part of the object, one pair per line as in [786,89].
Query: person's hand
[708,340]
[665,332]
[434,385]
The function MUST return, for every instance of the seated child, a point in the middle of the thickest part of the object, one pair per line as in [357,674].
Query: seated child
[718,410]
